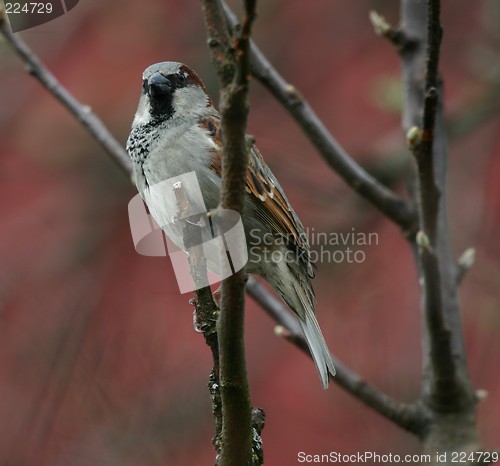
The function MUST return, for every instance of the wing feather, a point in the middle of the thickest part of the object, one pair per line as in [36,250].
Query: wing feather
[270,201]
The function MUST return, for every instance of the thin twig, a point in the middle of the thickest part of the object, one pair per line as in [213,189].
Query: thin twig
[464,263]
[206,312]
[389,203]
[395,35]
[406,416]
[231,59]
[219,40]
[423,151]
[83,113]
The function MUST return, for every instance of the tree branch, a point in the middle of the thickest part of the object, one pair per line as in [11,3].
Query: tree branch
[219,40]
[206,312]
[391,205]
[83,113]
[446,384]
[447,395]
[423,150]
[406,416]
[231,59]
[395,35]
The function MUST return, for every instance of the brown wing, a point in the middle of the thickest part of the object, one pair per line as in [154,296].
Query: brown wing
[272,205]
[273,200]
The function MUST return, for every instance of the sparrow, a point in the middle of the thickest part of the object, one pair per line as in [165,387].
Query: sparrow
[177,130]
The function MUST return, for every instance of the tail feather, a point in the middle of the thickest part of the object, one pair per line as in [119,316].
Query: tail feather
[314,336]
[318,348]
[294,287]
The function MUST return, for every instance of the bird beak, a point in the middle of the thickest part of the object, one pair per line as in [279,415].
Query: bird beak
[159,85]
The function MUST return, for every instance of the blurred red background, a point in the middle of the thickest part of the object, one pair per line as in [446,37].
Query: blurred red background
[99,362]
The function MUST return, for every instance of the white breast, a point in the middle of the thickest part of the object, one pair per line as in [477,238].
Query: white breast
[182,148]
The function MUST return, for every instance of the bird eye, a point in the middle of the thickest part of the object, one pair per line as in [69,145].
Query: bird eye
[182,78]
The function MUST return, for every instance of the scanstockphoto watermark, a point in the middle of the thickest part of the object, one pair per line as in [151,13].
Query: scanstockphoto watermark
[361,457]
[372,457]
[325,247]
